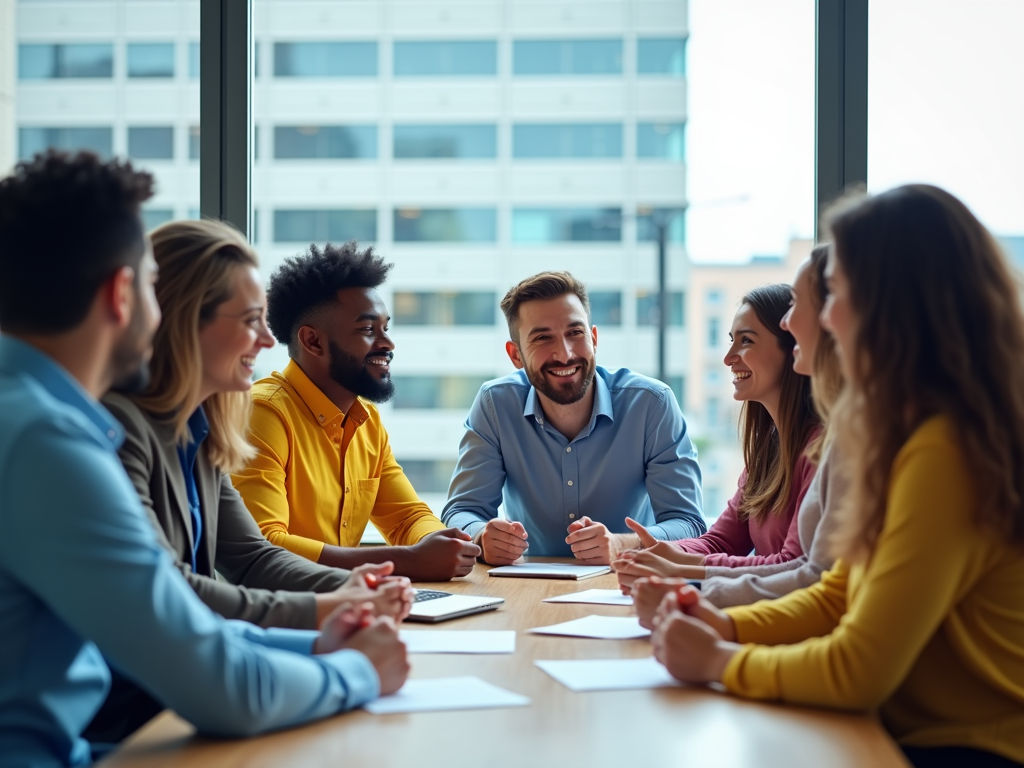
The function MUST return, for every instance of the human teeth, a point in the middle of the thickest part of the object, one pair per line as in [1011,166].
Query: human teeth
[378,361]
[741,374]
[248,362]
[564,371]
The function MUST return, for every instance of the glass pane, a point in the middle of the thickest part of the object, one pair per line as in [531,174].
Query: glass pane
[324,226]
[946,104]
[567,57]
[445,225]
[436,391]
[325,142]
[71,139]
[154,217]
[566,225]
[579,140]
[57,61]
[310,59]
[647,308]
[466,308]
[661,56]
[446,58]
[428,476]
[151,60]
[649,219]
[151,143]
[660,140]
[193,60]
[445,141]
[605,308]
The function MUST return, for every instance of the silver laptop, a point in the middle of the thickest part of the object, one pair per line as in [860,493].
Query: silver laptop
[430,606]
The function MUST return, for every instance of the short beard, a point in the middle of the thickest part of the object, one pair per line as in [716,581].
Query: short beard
[351,373]
[130,359]
[563,395]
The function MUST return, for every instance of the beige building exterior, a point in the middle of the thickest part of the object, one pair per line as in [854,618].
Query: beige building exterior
[715,292]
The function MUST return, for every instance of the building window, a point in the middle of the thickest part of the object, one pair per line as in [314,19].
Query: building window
[714,332]
[311,59]
[325,142]
[661,56]
[154,217]
[53,62]
[151,143]
[31,141]
[322,226]
[445,141]
[678,386]
[445,225]
[428,475]
[647,308]
[566,225]
[193,61]
[445,308]
[713,297]
[193,142]
[436,391]
[150,59]
[579,140]
[647,232]
[567,57]
[445,58]
[605,308]
[663,141]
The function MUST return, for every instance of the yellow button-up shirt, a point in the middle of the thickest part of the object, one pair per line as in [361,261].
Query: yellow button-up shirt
[320,475]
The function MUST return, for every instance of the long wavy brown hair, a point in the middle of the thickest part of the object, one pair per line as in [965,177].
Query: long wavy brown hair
[197,261]
[827,374]
[770,450]
[939,330]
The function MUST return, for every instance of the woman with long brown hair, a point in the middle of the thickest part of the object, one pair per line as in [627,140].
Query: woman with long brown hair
[779,424]
[922,617]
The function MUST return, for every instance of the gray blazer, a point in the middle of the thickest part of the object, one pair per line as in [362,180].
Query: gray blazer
[232,542]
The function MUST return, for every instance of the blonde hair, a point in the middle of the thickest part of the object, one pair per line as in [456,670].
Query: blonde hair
[197,261]
[827,374]
[939,331]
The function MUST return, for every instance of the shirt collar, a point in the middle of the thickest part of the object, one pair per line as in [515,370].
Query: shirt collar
[198,426]
[19,358]
[320,405]
[602,402]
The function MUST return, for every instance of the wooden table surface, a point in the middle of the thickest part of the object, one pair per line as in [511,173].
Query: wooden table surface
[662,727]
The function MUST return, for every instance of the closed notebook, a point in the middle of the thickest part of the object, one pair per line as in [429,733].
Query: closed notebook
[550,571]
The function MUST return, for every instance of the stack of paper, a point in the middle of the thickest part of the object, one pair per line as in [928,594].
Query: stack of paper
[599,627]
[594,596]
[549,571]
[446,693]
[609,674]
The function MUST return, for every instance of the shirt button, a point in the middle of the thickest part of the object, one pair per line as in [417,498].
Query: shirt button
[344,523]
[336,438]
[346,489]
[570,482]
[540,421]
[572,517]
[111,434]
[568,449]
[320,418]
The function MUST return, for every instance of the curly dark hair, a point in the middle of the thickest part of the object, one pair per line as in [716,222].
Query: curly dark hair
[67,222]
[307,283]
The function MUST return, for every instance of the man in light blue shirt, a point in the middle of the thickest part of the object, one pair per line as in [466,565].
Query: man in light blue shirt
[82,577]
[570,448]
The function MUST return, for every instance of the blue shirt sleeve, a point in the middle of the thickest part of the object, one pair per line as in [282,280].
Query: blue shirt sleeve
[88,552]
[475,492]
[673,475]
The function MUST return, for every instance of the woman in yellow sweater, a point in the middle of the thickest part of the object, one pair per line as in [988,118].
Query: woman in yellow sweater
[922,617]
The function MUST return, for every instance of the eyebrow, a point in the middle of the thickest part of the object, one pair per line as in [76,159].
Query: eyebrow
[371,316]
[577,324]
[748,331]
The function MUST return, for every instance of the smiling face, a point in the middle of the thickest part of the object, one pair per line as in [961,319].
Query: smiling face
[756,360]
[556,347]
[360,350]
[231,340]
[802,320]
[131,355]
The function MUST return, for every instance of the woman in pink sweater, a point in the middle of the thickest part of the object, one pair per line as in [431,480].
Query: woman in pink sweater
[779,423]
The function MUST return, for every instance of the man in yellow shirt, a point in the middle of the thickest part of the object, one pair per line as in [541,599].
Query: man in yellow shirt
[324,466]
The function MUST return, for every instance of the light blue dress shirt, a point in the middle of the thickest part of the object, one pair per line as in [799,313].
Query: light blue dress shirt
[633,459]
[81,574]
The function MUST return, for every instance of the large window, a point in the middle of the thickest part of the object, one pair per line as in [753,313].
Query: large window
[428,475]
[647,308]
[663,141]
[151,143]
[605,308]
[95,139]
[445,142]
[567,57]
[321,226]
[445,58]
[649,219]
[70,60]
[436,391]
[325,142]
[150,59]
[661,56]
[445,225]
[581,140]
[566,225]
[325,59]
[445,308]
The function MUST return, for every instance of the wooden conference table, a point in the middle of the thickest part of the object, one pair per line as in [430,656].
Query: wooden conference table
[661,727]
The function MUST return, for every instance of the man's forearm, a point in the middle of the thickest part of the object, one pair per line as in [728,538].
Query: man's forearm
[676,528]
[350,557]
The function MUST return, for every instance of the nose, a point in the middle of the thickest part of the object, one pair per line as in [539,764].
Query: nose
[564,349]
[731,357]
[826,314]
[264,339]
[784,322]
[385,341]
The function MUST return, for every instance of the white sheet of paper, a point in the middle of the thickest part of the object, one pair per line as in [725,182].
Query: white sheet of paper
[458,641]
[609,674]
[445,693]
[599,627]
[595,596]
[550,570]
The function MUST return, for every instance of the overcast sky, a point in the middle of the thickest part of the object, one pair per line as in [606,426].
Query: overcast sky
[946,105]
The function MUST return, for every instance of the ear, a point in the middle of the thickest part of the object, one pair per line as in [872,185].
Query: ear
[593,335]
[512,350]
[311,341]
[118,296]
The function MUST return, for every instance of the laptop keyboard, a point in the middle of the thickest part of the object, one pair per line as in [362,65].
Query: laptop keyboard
[428,594]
